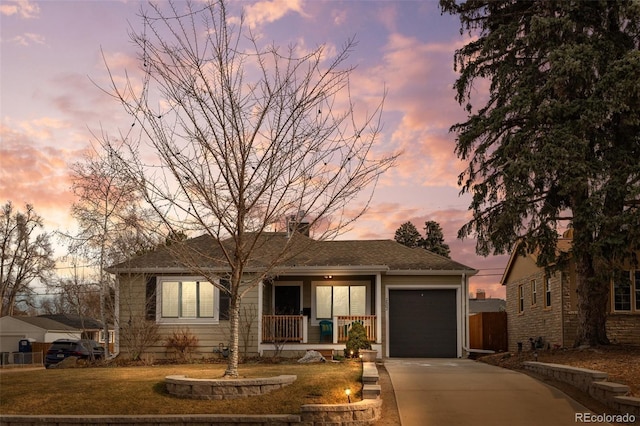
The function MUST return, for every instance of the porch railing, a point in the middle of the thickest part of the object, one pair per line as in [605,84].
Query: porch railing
[282,328]
[343,325]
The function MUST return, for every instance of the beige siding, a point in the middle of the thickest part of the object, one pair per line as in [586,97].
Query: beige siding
[132,309]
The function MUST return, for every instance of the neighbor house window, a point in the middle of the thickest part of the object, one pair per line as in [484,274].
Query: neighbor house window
[187,300]
[547,292]
[534,292]
[340,300]
[622,291]
[520,298]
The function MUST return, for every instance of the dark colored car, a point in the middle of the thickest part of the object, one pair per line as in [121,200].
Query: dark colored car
[63,348]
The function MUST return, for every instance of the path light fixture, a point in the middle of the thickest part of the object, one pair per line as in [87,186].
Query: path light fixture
[347,392]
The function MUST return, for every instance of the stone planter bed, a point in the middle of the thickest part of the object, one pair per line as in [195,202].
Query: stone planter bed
[215,389]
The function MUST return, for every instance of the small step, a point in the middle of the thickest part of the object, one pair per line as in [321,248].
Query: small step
[371,391]
[327,353]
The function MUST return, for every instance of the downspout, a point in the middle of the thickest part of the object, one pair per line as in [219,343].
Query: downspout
[379,309]
[465,287]
[260,291]
[116,325]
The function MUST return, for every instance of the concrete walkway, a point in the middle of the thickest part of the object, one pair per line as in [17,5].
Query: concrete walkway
[456,392]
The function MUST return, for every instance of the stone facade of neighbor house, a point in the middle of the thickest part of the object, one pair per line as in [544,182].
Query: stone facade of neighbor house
[543,306]
[411,302]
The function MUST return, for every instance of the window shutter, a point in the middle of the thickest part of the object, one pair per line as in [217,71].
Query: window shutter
[150,299]
[225,299]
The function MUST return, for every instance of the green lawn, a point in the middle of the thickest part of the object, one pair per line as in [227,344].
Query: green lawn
[140,390]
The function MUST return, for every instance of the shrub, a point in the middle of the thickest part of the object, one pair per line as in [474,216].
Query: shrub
[183,342]
[357,340]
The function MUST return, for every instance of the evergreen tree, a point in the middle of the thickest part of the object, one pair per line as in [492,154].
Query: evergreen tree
[407,234]
[434,239]
[556,141]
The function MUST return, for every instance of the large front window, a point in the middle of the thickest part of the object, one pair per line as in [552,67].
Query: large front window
[337,300]
[187,300]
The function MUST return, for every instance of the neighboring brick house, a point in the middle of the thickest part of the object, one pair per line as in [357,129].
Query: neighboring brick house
[543,307]
[413,303]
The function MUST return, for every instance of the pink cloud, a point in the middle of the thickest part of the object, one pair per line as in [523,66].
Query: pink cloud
[28,39]
[270,11]
[22,8]
[39,176]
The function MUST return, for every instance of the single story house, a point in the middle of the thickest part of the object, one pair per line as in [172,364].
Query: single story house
[91,328]
[542,307]
[47,328]
[413,303]
[36,329]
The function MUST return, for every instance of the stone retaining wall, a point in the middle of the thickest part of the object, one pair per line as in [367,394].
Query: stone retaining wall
[216,389]
[152,420]
[364,412]
[613,395]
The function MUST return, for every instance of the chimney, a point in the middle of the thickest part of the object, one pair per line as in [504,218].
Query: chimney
[296,225]
[480,294]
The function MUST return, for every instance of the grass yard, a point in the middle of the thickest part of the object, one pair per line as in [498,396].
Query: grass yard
[140,390]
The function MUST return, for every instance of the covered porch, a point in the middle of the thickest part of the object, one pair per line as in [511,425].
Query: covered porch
[295,328]
[317,311]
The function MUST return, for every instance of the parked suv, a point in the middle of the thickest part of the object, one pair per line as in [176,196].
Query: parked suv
[82,348]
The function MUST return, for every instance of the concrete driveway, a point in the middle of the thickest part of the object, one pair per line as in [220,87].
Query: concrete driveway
[453,392]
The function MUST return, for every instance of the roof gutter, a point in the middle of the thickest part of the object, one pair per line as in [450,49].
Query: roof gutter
[301,270]
[308,270]
[466,272]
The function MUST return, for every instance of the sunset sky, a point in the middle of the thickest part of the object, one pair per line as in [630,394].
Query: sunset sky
[52,68]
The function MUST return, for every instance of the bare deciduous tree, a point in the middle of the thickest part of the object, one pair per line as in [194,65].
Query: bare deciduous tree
[73,295]
[235,137]
[25,255]
[109,219]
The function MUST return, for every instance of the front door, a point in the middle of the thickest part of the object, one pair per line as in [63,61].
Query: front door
[287,300]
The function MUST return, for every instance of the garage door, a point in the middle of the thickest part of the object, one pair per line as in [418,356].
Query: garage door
[422,324]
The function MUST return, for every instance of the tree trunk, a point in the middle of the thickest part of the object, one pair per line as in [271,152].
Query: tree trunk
[234,329]
[593,297]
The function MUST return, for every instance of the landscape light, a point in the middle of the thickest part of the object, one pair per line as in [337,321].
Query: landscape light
[347,392]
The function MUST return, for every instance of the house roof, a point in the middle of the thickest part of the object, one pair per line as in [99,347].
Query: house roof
[302,253]
[563,246]
[487,305]
[45,323]
[75,321]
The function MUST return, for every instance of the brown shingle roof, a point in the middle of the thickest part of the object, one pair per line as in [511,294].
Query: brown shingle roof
[304,252]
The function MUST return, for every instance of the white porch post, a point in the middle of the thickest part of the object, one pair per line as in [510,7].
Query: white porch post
[260,291]
[305,329]
[335,329]
[378,291]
